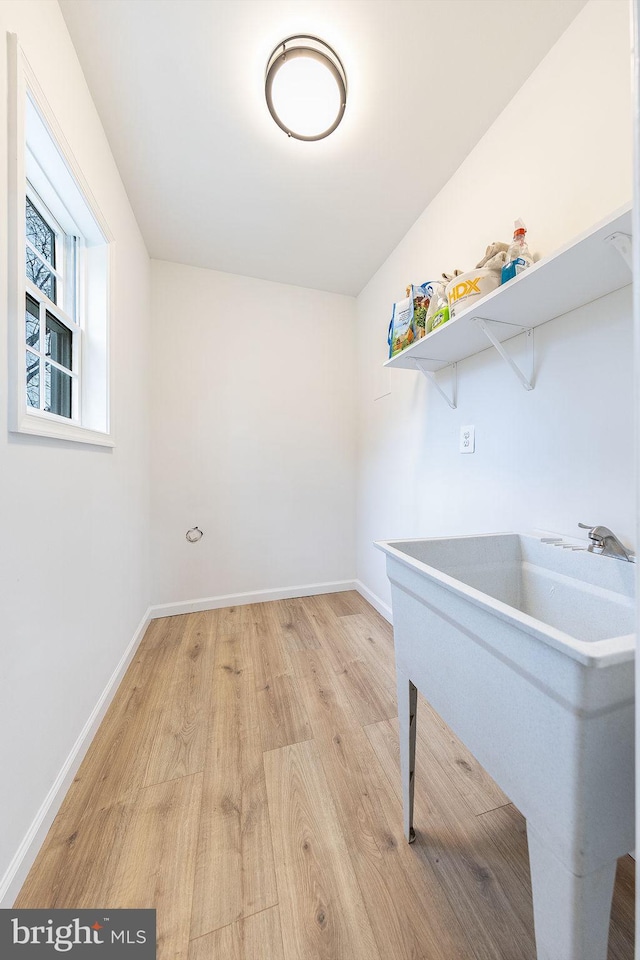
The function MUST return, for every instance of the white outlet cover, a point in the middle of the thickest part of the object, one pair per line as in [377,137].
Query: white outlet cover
[467,439]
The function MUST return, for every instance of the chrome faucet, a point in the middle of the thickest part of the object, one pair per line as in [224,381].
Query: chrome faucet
[605,542]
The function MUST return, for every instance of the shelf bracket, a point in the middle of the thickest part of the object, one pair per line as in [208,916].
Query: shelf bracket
[527,383]
[451,400]
[622,243]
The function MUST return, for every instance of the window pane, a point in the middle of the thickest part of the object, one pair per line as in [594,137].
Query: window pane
[33,380]
[32,331]
[40,234]
[57,391]
[38,273]
[57,341]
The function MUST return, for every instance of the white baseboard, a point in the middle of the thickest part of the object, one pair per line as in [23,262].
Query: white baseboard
[26,853]
[375,601]
[239,599]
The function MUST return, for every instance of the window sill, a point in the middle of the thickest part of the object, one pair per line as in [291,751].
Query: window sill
[39,426]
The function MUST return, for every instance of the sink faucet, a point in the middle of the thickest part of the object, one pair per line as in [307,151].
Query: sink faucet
[605,542]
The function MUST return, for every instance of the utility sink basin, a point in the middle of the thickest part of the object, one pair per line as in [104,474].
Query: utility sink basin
[527,651]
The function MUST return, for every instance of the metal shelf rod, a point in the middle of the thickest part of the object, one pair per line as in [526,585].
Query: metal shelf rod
[527,383]
[451,400]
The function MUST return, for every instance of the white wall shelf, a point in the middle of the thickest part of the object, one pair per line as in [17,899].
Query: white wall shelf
[591,266]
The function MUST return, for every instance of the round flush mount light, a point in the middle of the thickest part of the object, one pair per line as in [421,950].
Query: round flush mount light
[306,88]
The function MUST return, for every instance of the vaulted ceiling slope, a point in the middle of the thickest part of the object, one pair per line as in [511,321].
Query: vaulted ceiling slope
[213,182]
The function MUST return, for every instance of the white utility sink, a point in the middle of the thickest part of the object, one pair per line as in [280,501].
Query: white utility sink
[526,650]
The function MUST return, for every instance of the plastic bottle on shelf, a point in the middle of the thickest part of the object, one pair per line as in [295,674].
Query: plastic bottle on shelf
[518,256]
[438,311]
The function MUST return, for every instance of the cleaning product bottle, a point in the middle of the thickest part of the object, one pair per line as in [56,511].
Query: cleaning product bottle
[438,312]
[518,256]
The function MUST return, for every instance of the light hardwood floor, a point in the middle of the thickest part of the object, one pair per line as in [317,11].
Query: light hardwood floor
[245,783]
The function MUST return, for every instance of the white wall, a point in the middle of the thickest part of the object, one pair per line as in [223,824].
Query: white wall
[253,438]
[74,567]
[253,429]
[560,157]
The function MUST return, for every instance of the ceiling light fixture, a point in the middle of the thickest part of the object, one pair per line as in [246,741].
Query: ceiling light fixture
[306,88]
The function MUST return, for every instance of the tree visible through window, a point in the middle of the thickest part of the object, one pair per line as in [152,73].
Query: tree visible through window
[40,252]
[51,336]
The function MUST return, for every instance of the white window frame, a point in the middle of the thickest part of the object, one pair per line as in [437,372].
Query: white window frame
[91,392]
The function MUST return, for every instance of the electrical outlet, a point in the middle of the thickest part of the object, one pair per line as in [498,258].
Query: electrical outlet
[467,439]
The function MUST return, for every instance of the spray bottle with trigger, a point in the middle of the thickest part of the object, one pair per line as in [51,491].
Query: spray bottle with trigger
[518,256]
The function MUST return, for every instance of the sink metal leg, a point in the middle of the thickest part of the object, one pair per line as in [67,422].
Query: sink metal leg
[407,716]
[571,914]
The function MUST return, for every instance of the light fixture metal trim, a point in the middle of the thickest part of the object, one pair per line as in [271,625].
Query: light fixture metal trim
[313,48]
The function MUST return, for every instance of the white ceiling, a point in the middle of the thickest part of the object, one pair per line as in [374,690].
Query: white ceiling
[215,183]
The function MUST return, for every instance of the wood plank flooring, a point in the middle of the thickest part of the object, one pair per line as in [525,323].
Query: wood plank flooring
[245,783]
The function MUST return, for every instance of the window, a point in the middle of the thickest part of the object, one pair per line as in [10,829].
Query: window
[53,338]
[60,252]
